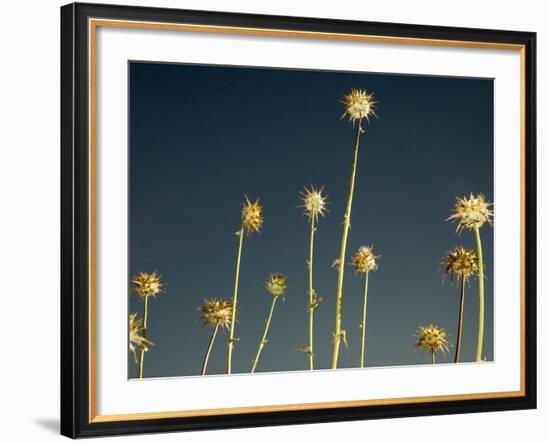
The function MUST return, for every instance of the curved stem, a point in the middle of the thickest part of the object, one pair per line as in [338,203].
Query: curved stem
[207,355]
[347,216]
[234,308]
[264,336]
[144,334]
[311,298]
[460,319]
[364,322]
[481,297]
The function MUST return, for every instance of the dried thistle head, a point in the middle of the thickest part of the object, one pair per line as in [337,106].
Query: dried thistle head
[471,212]
[432,338]
[314,203]
[276,284]
[147,284]
[359,104]
[460,262]
[251,216]
[216,312]
[136,338]
[364,260]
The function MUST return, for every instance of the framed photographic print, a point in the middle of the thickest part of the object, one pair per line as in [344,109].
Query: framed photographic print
[278,220]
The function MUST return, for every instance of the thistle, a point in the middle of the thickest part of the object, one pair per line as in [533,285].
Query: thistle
[146,285]
[359,105]
[460,263]
[432,338]
[364,261]
[314,205]
[251,221]
[216,314]
[472,213]
[276,286]
[136,339]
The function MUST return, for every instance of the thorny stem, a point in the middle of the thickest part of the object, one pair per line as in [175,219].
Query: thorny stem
[144,334]
[311,298]
[234,308]
[460,319]
[364,322]
[481,297]
[338,321]
[263,341]
[207,355]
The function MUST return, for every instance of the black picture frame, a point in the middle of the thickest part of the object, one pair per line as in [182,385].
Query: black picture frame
[75,219]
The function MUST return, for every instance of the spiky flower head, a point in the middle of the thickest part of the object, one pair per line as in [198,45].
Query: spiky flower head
[432,338]
[471,212]
[364,260]
[136,337]
[251,216]
[147,284]
[276,284]
[359,104]
[216,312]
[314,203]
[460,262]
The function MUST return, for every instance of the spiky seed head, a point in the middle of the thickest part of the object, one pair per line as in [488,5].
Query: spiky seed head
[136,338]
[359,104]
[314,203]
[364,260]
[251,216]
[432,338]
[276,284]
[460,262]
[471,212]
[147,284]
[216,312]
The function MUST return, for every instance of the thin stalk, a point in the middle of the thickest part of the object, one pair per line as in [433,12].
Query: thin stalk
[433,357]
[347,216]
[207,355]
[264,336]
[481,297]
[364,322]
[144,334]
[234,309]
[311,298]
[460,319]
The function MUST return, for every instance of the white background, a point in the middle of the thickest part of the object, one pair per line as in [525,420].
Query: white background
[29,238]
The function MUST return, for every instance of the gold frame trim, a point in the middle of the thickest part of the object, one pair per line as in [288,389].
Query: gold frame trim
[93,24]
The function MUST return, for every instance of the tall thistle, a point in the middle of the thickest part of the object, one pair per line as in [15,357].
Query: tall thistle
[251,221]
[472,213]
[359,105]
[276,285]
[146,285]
[314,204]
[215,313]
[460,263]
[432,338]
[364,261]
[135,337]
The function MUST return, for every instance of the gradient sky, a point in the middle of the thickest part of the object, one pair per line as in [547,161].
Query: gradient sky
[201,137]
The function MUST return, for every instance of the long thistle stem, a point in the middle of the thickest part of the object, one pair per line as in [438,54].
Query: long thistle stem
[460,319]
[481,296]
[347,216]
[144,334]
[364,322]
[207,355]
[263,341]
[234,309]
[311,298]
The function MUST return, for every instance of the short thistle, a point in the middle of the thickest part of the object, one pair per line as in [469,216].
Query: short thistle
[432,338]
[136,339]
[251,216]
[314,203]
[215,313]
[359,104]
[276,284]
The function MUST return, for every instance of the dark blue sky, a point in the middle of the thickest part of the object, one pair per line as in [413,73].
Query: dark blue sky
[201,137]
